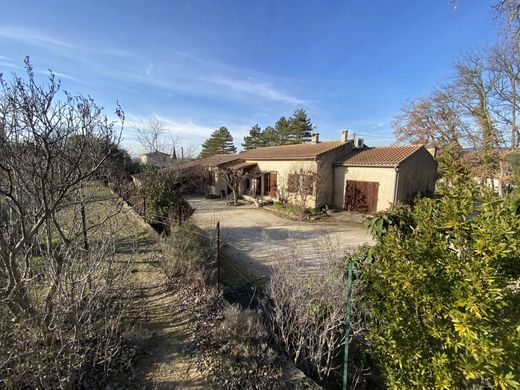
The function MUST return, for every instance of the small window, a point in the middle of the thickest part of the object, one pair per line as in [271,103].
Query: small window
[301,183]
[292,182]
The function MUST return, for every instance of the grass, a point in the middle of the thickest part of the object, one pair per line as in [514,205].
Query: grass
[101,205]
[211,196]
[287,208]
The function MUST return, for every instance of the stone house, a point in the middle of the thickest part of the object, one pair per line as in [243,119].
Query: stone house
[341,174]
[158,159]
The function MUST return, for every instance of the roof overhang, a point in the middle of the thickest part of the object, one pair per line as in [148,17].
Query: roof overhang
[244,165]
[366,166]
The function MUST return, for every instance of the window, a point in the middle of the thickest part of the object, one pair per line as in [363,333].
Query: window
[307,183]
[292,182]
[301,183]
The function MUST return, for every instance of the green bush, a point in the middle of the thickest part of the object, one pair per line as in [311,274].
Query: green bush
[444,310]
[163,192]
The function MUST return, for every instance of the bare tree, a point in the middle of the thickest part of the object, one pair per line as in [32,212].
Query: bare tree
[150,134]
[436,121]
[56,294]
[48,148]
[510,11]
[302,188]
[504,63]
[233,178]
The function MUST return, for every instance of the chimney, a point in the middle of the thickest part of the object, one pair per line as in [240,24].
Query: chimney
[344,136]
[315,138]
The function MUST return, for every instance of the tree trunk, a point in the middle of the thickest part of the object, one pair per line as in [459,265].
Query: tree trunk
[235,198]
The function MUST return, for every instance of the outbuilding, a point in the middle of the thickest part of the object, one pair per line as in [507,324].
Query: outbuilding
[371,180]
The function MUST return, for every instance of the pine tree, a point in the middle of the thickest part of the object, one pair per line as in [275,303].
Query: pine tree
[300,127]
[254,139]
[283,130]
[270,136]
[220,141]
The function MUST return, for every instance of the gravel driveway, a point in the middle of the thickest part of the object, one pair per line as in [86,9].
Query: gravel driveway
[257,239]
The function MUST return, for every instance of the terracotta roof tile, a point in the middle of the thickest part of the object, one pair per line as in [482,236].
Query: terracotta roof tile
[384,156]
[211,161]
[218,159]
[298,151]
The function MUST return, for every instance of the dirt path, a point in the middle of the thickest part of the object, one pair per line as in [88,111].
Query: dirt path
[166,330]
[166,362]
[162,330]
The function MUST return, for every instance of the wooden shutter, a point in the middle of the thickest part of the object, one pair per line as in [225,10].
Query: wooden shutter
[272,185]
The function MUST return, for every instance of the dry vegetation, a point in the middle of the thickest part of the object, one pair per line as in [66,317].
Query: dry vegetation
[232,344]
[306,313]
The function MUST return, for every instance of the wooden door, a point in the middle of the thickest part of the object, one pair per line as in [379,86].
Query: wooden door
[272,184]
[361,196]
[258,186]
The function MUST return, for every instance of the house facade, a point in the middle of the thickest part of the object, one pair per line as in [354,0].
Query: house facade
[343,174]
[372,180]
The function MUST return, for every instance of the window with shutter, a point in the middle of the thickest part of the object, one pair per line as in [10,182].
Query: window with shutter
[292,182]
[307,182]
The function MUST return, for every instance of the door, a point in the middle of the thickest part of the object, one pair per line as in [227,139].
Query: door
[258,186]
[272,184]
[361,196]
[267,180]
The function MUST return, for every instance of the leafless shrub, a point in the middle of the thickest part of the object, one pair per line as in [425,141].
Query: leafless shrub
[82,338]
[307,315]
[189,255]
[236,352]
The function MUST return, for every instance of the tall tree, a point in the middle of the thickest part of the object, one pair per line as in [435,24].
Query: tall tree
[283,131]
[220,141]
[254,139]
[435,121]
[149,134]
[509,10]
[270,136]
[504,64]
[300,127]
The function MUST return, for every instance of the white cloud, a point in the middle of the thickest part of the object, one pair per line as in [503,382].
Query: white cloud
[185,131]
[61,75]
[31,36]
[257,88]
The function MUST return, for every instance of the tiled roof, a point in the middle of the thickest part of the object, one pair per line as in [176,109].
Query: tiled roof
[243,165]
[212,161]
[217,159]
[290,152]
[386,156]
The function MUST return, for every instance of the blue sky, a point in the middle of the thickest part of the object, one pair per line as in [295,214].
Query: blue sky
[199,65]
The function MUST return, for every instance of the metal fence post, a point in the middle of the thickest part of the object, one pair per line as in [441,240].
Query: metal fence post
[218,256]
[347,325]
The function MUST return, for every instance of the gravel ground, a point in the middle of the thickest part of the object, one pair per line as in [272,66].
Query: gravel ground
[256,239]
